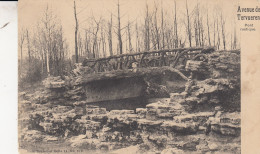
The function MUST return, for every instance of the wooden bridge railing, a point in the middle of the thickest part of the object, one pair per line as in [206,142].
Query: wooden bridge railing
[156,58]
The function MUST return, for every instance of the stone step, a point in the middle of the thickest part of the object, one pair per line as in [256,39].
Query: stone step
[178,96]
[95,110]
[226,129]
[149,122]
[195,117]
[228,118]
[141,112]
[121,112]
[159,110]
[183,128]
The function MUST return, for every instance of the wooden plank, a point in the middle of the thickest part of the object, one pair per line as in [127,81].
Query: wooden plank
[154,51]
[117,74]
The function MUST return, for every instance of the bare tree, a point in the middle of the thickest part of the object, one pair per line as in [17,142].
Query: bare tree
[87,44]
[119,36]
[231,42]
[21,41]
[103,41]
[218,37]
[147,30]
[110,36]
[235,37]
[95,39]
[137,48]
[188,23]
[208,28]
[202,31]
[76,33]
[28,46]
[175,26]
[199,24]
[156,28]
[47,23]
[80,45]
[129,37]
[51,44]
[162,27]
[196,32]
[214,31]
[199,32]
[222,20]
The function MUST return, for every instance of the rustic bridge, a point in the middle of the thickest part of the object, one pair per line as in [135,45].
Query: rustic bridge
[129,75]
[125,76]
[157,58]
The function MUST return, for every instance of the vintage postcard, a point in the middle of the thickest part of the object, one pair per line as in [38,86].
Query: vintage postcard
[138,76]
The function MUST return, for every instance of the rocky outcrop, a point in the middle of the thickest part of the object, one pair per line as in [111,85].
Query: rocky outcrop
[225,64]
[196,111]
[205,117]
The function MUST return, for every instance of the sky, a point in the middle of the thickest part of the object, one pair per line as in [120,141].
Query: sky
[31,11]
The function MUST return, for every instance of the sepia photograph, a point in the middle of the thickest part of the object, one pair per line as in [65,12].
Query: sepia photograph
[129,76]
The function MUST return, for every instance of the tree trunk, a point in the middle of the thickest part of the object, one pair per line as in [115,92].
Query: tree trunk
[110,37]
[129,38]
[76,34]
[162,27]
[28,47]
[235,38]
[137,38]
[147,31]
[218,40]
[208,29]
[175,26]
[188,23]
[119,31]
[223,31]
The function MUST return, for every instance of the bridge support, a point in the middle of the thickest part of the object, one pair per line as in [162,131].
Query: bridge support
[114,89]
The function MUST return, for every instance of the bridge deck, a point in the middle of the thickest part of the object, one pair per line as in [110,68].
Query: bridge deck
[157,58]
[117,74]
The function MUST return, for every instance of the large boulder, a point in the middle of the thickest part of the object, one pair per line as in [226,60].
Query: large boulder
[226,124]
